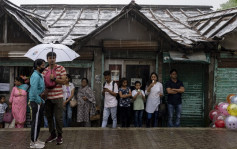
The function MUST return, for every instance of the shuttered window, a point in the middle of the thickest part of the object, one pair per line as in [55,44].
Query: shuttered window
[193,99]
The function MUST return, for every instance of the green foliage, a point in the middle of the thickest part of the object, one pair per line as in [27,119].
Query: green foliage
[229,4]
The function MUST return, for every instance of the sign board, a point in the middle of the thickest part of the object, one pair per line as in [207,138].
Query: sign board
[4,87]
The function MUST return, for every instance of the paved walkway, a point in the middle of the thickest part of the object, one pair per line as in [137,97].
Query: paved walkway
[131,138]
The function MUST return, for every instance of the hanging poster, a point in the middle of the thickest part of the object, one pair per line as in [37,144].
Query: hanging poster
[133,80]
[115,75]
[4,87]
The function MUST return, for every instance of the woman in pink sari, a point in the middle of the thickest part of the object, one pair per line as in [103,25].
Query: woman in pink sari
[18,102]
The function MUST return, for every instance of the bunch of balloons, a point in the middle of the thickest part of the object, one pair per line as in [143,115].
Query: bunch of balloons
[224,114]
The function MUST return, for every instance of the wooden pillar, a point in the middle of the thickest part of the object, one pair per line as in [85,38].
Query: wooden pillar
[211,85]
[98,74]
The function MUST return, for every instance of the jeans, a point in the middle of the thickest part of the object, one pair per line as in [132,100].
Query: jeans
[125,116]
[46,122]
[67,115]
[106,113]
[178,110]
[138,118]
[149,116]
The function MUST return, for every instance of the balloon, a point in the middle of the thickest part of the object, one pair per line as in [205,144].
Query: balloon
[234,100]
[231,122]
[216,106]
[232,109]
[220,124]
[223,108]
[212,125]
[228,98]
[219,116]
[213,113]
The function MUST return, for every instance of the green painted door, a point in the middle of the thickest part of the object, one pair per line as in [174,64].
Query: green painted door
[193,99]
[225,83]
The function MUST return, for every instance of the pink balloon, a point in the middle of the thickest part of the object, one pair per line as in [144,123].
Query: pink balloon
[219,116]
[223,108]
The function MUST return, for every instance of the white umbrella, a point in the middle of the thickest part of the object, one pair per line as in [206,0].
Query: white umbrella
[40,51]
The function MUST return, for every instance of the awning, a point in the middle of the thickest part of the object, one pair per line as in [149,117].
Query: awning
[175,56]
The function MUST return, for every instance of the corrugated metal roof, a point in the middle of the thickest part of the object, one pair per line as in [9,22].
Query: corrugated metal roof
[215,24]
[68,22]
[32,23]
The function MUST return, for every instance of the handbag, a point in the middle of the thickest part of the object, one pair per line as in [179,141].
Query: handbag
[8,117]
[48,82]
[73,102]
[96,116]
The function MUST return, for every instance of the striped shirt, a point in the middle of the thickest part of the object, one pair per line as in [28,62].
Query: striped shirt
[57,91]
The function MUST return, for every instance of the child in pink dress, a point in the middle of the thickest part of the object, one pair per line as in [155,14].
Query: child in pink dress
[18,102]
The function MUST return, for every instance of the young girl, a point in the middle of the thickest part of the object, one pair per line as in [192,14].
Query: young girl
[124,102]
[3,107]
[154,90]
[138,104]
[68,93]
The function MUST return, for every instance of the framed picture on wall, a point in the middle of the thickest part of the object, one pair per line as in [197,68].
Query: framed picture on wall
[115,72]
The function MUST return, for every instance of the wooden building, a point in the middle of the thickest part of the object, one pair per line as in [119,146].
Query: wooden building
[132,41]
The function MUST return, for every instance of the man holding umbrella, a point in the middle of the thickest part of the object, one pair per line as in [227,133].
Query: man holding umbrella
[54,76]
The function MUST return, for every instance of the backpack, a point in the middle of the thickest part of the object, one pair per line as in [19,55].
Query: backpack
[48,82]
[117,97]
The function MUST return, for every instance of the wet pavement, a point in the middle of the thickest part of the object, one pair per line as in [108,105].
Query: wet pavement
[130,138]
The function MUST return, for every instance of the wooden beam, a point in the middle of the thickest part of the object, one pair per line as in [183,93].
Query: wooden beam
[128,44]
[183,12]
[5,29]
[212,26]
[72,27]
[205,24]
[49,13]
[224,25]
[58,18]
[176,19]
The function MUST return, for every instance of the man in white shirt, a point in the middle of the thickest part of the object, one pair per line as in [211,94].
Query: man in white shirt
[110,91]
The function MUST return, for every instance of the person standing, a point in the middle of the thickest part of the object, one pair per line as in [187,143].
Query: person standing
[154,90]
[68,94]
[18,102]
[3,108]
[86,103]
[54,77]
[139,98]
[110,91]
[36,92]
[174,88]
[125,102]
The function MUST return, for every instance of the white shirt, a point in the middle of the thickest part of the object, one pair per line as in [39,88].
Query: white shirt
[153,99]
[65,91]
[3,107]
[110,100]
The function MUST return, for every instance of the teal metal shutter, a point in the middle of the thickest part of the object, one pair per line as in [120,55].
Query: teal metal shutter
[225,83]
[192,75]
